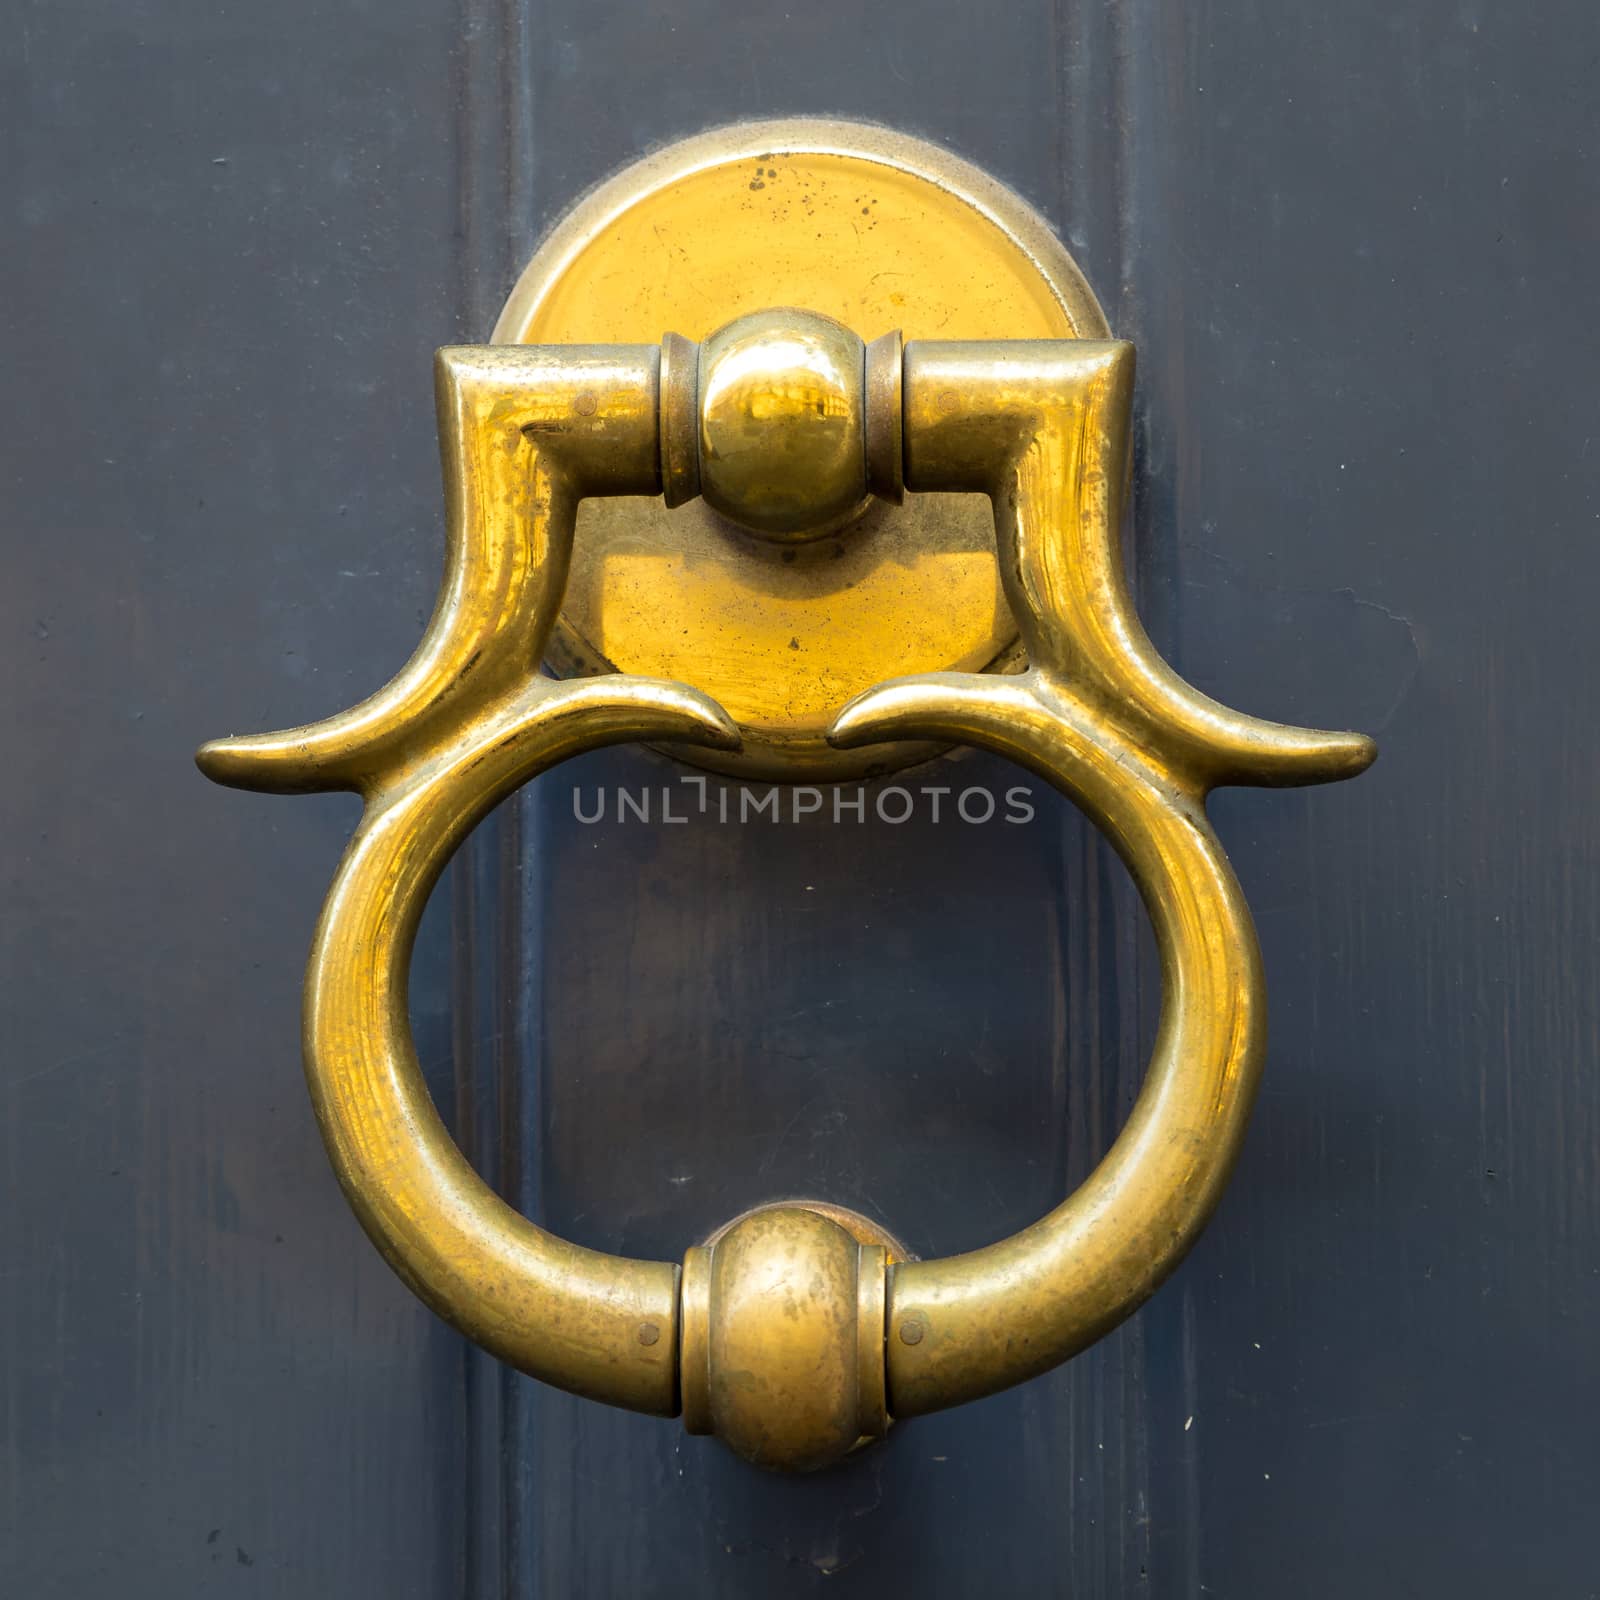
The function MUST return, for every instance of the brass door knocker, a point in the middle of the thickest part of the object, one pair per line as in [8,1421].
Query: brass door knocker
[798,1330]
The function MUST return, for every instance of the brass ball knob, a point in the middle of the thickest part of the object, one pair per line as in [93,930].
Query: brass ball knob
[782,1335]
[782,408]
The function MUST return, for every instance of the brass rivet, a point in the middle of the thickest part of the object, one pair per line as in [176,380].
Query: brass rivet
[648,1333]
[911,1331]
[585,404]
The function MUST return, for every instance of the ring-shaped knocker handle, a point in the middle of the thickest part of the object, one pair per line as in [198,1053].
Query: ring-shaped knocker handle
[1042,428]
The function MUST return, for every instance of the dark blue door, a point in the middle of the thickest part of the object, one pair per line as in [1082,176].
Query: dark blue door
[1355,246]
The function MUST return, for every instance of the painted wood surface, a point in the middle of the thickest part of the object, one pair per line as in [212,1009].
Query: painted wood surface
[1355,247]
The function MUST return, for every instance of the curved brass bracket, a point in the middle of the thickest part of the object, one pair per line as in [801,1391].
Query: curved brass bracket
[1043,430]
[524,433]
[798,1331]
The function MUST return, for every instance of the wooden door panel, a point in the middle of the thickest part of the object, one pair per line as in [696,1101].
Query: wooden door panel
[232,253]
[1354,246]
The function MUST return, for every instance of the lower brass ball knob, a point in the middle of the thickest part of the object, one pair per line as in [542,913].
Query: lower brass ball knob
[782,1335]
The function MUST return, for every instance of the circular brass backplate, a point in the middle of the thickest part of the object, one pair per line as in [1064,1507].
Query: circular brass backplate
[879,231]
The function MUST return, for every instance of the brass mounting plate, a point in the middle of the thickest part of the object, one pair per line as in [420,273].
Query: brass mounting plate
[877,230]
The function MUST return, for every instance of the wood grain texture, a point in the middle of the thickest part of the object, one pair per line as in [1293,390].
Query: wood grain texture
[232,253]
[1363,322]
